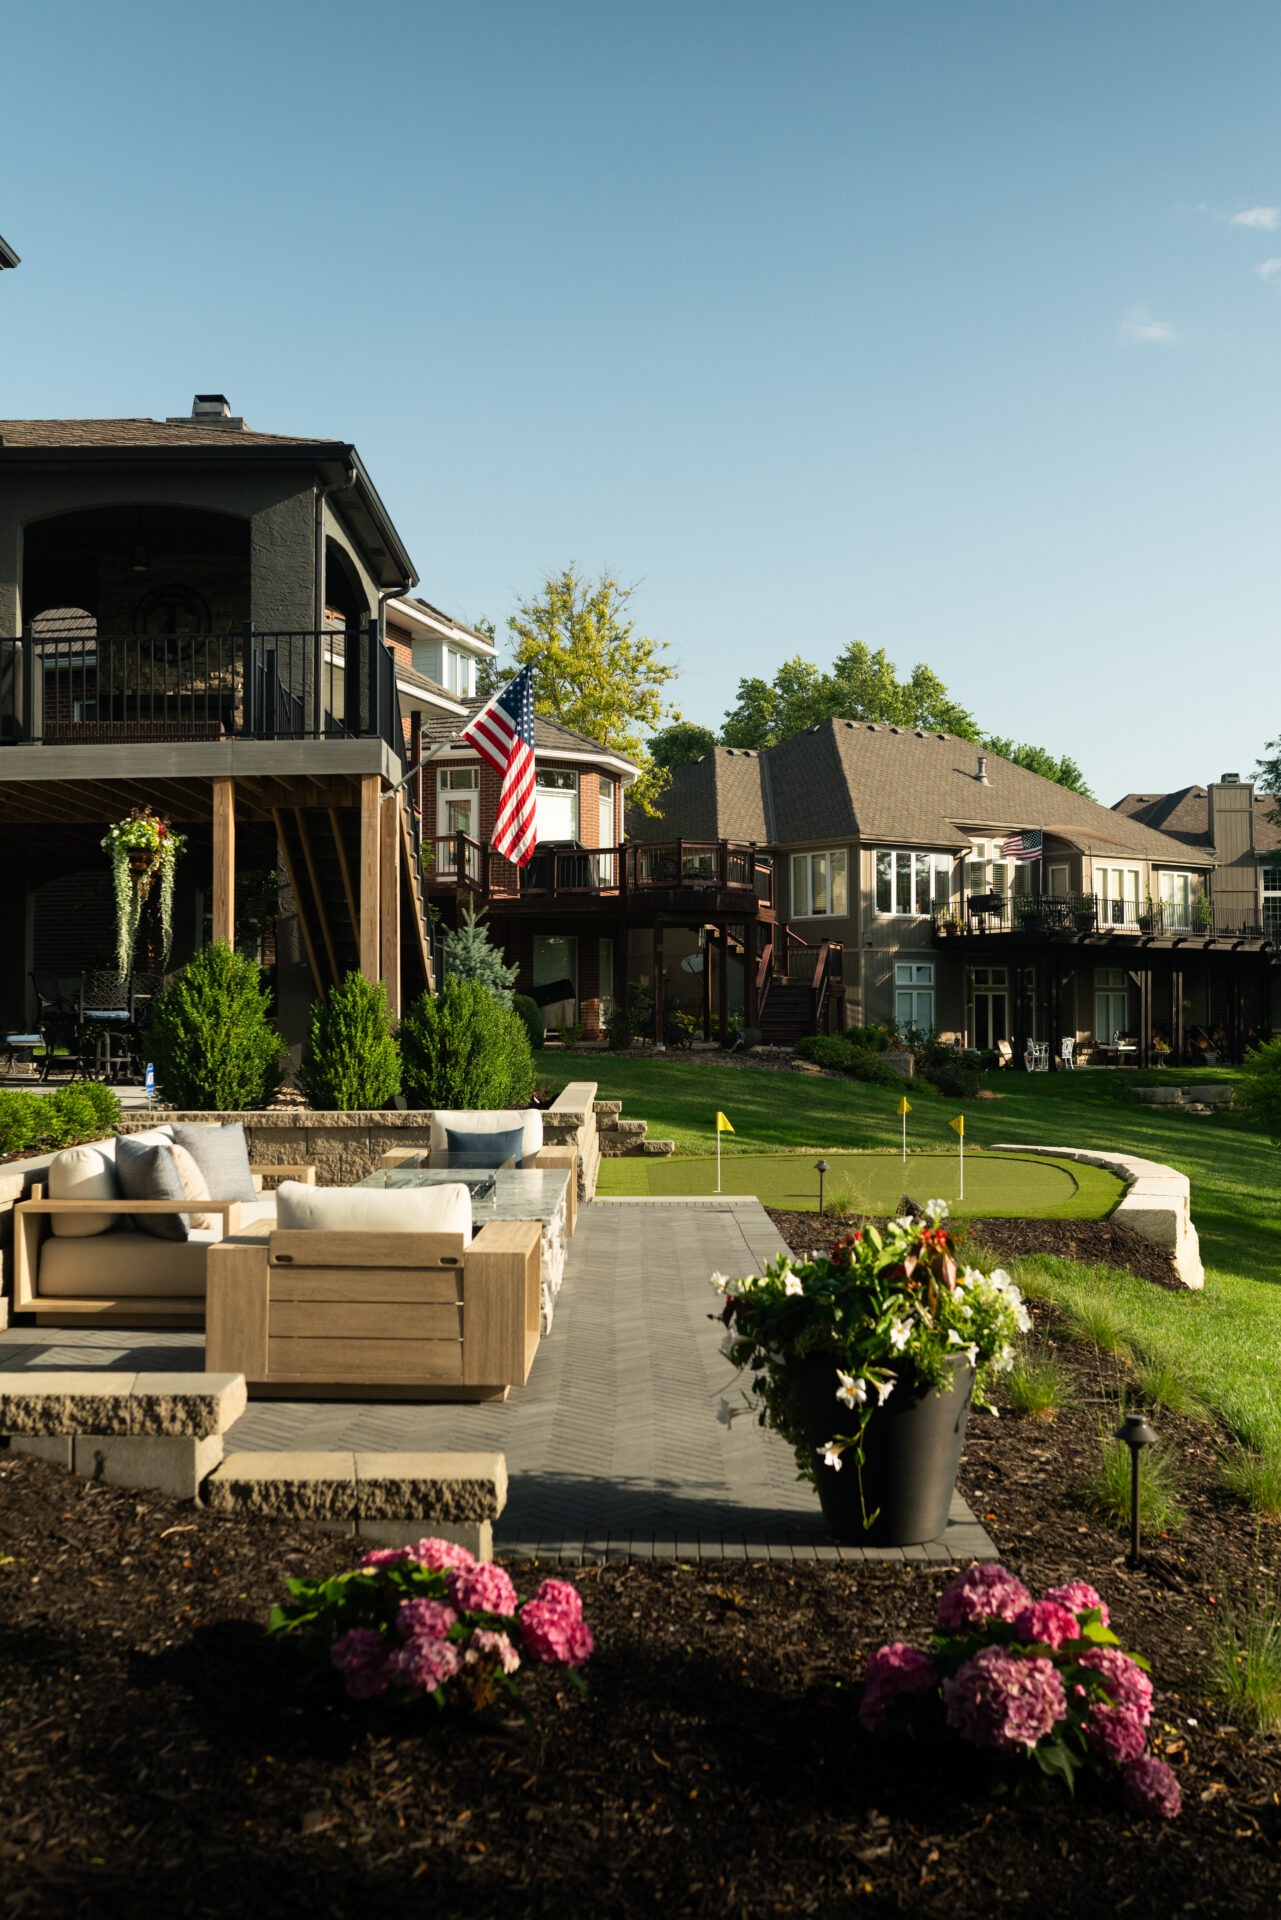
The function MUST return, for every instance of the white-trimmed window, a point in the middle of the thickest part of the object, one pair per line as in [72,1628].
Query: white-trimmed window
[1271,877]
[607,836]
[1175,893]
[1119,892]
[987,870]
[915,883]
[1111,1004]
[819,884]
[914,994]
[457,808]
[556,800]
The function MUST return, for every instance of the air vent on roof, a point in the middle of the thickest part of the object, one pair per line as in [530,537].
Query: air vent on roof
[207,410]
[982,772]
[919,734]
[1229,779]
[872,727]
[896,729]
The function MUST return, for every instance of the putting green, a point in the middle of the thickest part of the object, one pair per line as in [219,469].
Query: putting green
[997,1185]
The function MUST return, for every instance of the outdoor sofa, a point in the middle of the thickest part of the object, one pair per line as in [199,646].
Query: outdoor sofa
[376,1293]
[530,1154]
[87,1251]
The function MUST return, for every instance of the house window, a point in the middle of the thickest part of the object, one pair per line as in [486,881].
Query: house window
[989,1006]
[1111,1003]
[457,809]
[1175,891]
[818,884]
[1057,878]
[1271,899]
[556,794]
[914,995]
[607,836]
[988,871]
[914,883]
[1118,894]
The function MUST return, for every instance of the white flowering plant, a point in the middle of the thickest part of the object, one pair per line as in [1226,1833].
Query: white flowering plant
[892,1307]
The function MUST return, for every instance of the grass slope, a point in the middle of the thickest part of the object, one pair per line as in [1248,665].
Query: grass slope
[1225,1342]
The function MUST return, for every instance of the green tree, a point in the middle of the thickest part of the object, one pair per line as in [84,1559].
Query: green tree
[1258,1094]
[862,685]
[1267,777]
[593,671]
[490,674]
[471,955]
[682,741]
[352,1061]
[1064,771]
[463,1051]
[210,1034]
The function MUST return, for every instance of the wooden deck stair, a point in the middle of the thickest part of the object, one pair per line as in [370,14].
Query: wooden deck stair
[321,852]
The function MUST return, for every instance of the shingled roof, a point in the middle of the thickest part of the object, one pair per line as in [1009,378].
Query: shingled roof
[896,786]
[37,434]
[550,737]
[1185,815]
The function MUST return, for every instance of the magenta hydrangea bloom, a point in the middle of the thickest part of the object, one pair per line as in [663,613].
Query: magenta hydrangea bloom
[1127,1683]
[484,1642]
[981,1593]
[1005,1700]
[424,1619]
[895,1672]
[552,1637]
[560,1594]
[440,1554]
[386,1557]
[1148,1786]
[1078,1596]
[1115,1733]
[481,1588]
[1046,1623]
[425,1663]
[360,1656]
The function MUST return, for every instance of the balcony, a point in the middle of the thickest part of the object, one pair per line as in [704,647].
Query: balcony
[670,876]
[123,689]
[1100,921]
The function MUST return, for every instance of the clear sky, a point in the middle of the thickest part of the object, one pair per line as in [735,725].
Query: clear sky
[948,327]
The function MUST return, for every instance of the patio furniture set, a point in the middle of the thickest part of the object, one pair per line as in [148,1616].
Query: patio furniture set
[87,1025]
[433,1278]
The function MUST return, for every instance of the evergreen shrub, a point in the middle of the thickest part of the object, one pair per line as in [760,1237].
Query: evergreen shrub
[352,1061]
[40,1123]
[470,955]
[463,1049]
[532,1014]
[210,1035]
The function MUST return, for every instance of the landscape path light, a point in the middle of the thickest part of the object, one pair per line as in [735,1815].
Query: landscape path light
[820,1168]
[1135,1431]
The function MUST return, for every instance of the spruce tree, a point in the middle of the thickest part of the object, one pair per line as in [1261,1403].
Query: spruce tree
[471,955]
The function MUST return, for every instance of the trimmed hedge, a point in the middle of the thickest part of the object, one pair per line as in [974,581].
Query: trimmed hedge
[43,1122]
[843,1054]
[352,1060]
[210,1035]
[463,1050]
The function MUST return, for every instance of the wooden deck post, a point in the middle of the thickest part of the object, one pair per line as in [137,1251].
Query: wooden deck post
[658,982]
[707,986]
[722,984]
[370,866]
[224,862]
[389,885]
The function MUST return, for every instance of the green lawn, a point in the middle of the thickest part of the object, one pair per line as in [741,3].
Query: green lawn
[1226,1342]
[997,1185]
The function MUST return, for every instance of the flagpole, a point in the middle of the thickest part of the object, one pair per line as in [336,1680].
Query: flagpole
[962,1194]
[718,1153]
[904,1113]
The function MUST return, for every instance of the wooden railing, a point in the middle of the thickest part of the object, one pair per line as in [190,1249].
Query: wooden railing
[637,867]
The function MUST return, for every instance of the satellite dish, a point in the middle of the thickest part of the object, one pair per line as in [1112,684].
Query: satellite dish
[692,963]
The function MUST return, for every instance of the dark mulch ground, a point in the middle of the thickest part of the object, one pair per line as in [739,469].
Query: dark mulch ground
[155,1754]
[1096,1243]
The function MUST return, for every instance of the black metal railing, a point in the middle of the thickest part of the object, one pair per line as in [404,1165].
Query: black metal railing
[112,689]
[1041,916]
[455,859]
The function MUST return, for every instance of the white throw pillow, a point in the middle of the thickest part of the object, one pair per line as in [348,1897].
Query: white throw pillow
[194,1185]
[443,1209]
[85,1173]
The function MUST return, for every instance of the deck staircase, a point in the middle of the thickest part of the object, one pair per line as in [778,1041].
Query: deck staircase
[321,851]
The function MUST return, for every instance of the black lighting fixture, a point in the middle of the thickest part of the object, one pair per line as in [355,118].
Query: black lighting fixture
[1136,1434]
[820,1168]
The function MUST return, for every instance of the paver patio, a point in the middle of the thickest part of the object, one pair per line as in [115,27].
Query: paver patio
[613,1447]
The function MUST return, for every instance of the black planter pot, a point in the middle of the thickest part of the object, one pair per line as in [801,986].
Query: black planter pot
[912,1449]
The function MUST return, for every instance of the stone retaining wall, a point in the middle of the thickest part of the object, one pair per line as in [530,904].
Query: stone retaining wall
[1157,1204]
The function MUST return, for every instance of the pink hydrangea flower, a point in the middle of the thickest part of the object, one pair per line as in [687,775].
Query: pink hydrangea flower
[424,1619]
[481,1588]
[895,1672]
[551,1636]
[439,1554]
[386,1557]
[425,1663]
[1005,1700]
[981,1593]
[1046,1623]
[1078,1596]
[560,1594]
[484,1642]
[1115,1733]
[360,1656]
[1148,1786]
[1128,1685]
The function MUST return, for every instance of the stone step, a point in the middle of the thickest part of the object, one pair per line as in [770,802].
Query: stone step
[603,1108]
[389,1499]
[625,1130]
[659,1148]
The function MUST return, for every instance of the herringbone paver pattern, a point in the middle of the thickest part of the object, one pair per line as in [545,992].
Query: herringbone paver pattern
[613,1448]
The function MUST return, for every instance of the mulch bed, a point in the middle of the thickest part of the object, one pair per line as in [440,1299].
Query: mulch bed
[1095,1243]
[158,1756]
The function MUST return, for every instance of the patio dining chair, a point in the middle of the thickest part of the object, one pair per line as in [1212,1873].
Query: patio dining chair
[106,1015]
[1067,1050]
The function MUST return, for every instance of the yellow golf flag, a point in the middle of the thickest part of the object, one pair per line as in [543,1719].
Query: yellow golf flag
[722,1124]
[958,1125]
[903,1105]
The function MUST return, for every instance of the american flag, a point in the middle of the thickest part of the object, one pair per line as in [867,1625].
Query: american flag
[503,735]
[1028,845]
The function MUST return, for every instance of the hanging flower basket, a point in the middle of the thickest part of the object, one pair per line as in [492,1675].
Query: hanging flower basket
[140,848]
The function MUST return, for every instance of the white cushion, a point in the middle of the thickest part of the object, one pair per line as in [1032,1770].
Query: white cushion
[194,1184]
[124,1263]
[89,1173]
[501,1120]
[443,1209]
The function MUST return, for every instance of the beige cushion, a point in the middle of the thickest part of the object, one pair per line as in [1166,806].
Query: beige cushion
[443,1209]
[84,1173]
[124,1263]
[194,1184]
[497,1120]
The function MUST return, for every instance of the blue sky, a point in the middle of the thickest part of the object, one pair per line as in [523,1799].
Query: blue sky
[950,328]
